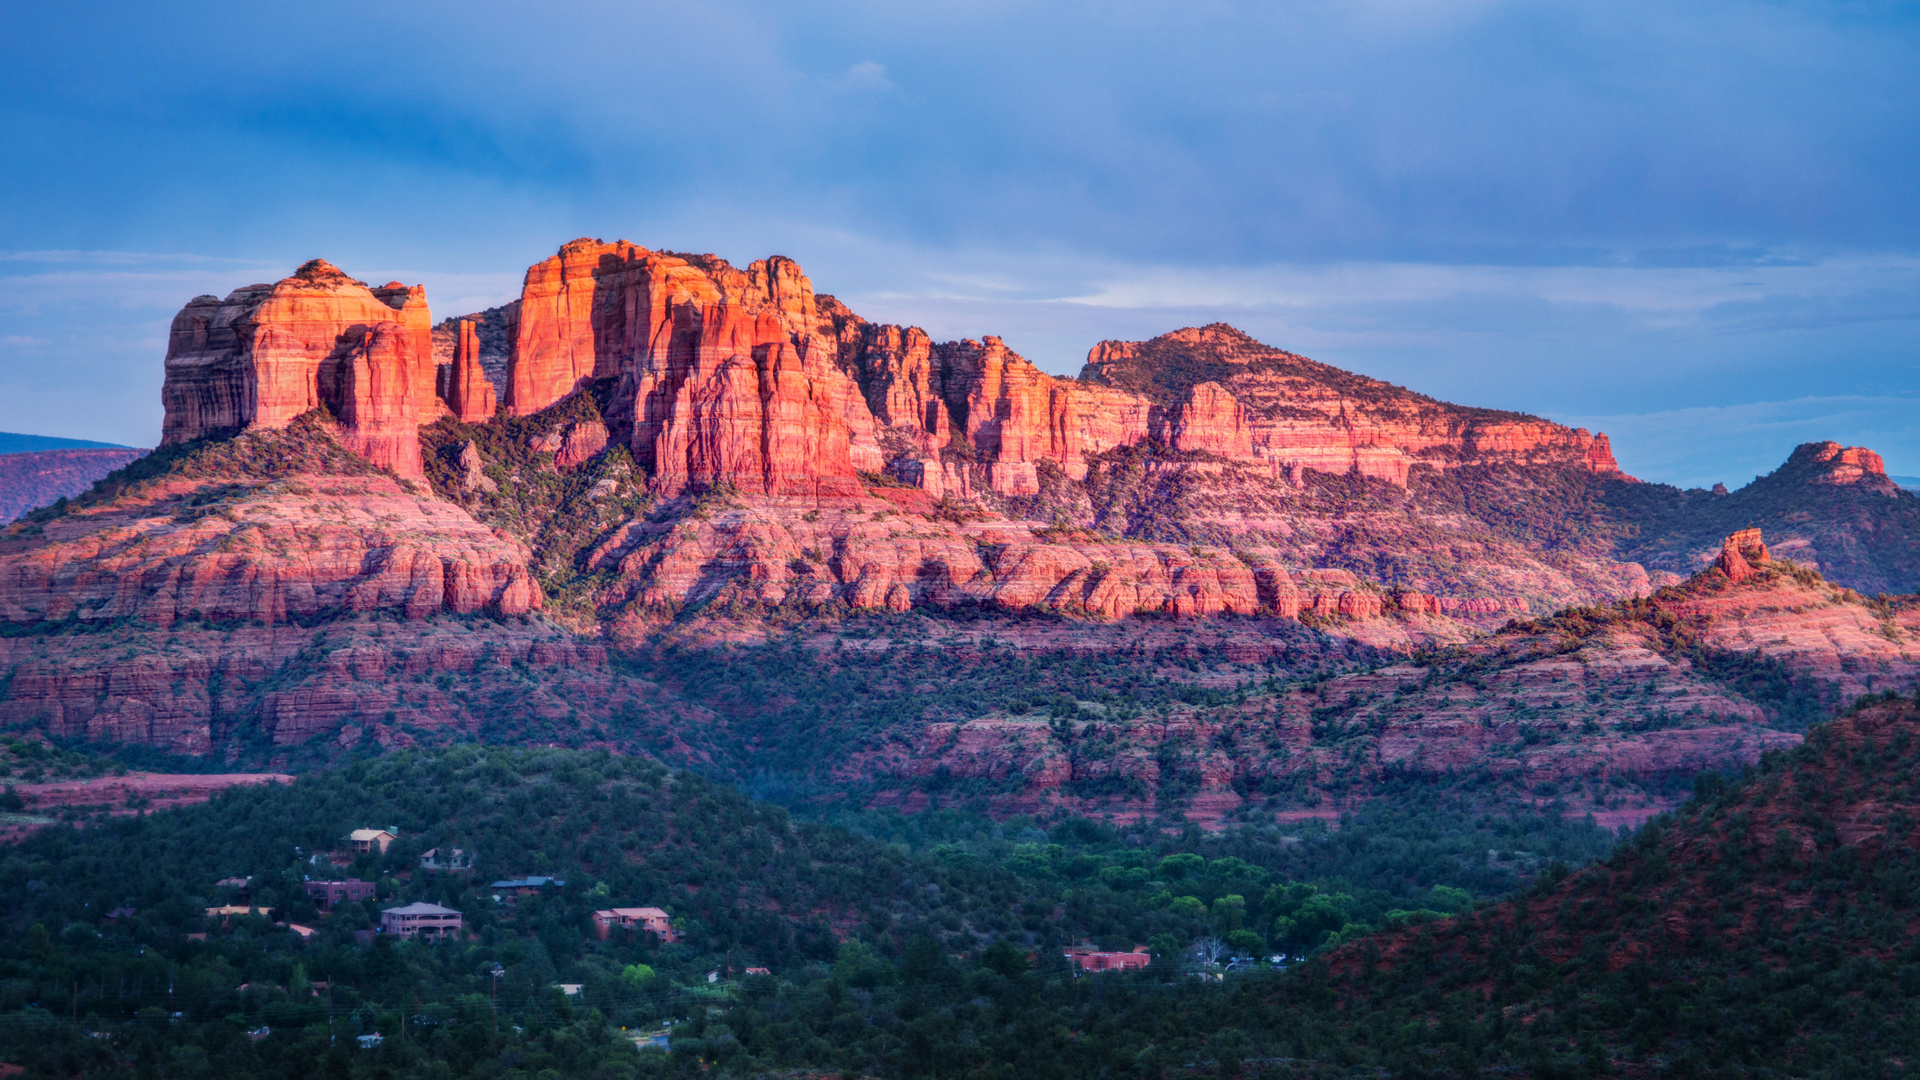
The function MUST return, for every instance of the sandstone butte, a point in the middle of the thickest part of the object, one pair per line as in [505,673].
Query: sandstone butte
[319,339]
[747,378]
[716,378]
[794,454]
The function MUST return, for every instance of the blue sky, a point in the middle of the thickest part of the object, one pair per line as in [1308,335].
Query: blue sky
[1693,226]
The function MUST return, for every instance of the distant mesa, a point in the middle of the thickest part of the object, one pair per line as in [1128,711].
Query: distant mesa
[16,443]
[35,478]
[1831,463]
[715,375]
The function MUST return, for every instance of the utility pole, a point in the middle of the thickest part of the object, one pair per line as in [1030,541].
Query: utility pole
[495,984]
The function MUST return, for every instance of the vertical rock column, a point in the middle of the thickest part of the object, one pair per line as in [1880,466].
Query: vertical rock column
[469,394]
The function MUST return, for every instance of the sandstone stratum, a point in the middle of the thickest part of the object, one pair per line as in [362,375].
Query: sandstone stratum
[366,528]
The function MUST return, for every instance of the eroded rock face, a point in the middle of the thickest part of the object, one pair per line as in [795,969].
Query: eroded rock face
[1739,554]
[463,384]
[1847,465]
[748,377]
[1303,414]
[722,377]
[188,692]
[299,548]
[269,353]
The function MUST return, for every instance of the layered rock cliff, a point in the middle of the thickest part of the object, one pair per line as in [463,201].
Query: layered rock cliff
[1585,706]
[269,353]
[747,376]
[722,377]
[269,528]
[1223,392]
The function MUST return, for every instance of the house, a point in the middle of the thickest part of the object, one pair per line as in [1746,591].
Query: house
[366,841]
[368,1042]
[570,989]
[759,971]
[1087,959]
[240,885]
[328,895]
[514,888]
[446,861]
[227,912]
[421,920]
[648,920]
[303,932]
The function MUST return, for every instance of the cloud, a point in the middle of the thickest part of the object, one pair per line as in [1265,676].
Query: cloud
[1620,210]
[867,76]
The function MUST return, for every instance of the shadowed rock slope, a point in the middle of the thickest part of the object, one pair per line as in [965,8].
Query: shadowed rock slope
[1770,927]
[37,478]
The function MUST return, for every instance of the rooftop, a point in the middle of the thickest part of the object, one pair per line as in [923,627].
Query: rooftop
[419,907]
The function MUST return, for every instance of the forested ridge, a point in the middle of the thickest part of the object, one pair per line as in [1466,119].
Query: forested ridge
[883,934]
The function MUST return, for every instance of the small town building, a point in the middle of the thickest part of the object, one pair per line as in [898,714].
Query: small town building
[1094,960]
[646,920]
[759,971]
[421,920]
[446,860]
[328,895]
[366,841]
[512,889]
[226,913]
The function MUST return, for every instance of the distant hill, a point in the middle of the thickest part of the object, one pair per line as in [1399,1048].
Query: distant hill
[1768,927]
[32,479]
[12,442]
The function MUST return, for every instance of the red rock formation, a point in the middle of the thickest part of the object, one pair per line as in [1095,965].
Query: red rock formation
[299,548]
[186,691]
[1211,420]
[583,439]
[1303,414]
[723,376]
[1740,553]
[1831,463]
[1015,415]
[464,386]
[268,353]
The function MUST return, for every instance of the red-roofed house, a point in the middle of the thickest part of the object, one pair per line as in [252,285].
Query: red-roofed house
[1094,960]
[649,920]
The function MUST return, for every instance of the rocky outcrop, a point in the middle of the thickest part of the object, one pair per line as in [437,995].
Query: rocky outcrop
[1831,463]
[463,383]
[1212,421]
[197,690]
[1740,553]
[301,548]
[39,477]
[1299,414]
[747,377]
[269,353]
[721,377]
